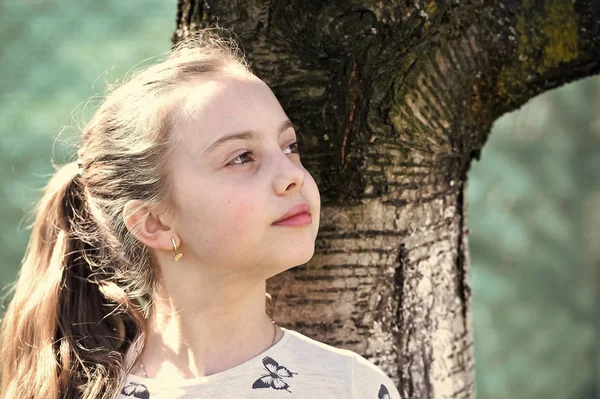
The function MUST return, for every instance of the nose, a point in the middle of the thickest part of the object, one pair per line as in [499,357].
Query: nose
[290,174]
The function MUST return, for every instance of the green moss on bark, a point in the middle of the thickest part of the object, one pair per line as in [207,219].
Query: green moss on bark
[553,31]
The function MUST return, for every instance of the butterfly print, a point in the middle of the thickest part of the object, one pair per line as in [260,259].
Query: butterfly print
[136,391]
[274,378]
[383,393]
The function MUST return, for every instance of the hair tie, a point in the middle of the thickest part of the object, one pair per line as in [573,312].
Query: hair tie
[80,162]
[81,170]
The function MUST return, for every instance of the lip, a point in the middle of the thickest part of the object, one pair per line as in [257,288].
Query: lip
[297,215]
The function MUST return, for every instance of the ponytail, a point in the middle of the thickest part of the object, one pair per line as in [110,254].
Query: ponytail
[64,332]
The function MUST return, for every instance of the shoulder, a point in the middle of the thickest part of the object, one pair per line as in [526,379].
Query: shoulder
[301,341]
[369,381]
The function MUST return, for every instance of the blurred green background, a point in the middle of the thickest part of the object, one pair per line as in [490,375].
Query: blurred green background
[534,216]
[534,198]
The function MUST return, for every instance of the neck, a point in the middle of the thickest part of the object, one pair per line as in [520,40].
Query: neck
[203,337]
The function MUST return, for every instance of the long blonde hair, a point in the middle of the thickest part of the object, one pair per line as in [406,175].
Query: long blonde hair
[85,284]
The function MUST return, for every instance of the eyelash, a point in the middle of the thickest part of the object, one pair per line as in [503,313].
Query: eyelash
[251,153]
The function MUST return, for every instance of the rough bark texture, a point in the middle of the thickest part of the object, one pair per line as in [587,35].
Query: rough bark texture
[395,98]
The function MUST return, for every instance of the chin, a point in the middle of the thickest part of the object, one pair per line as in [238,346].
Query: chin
[305,256]
[285,260]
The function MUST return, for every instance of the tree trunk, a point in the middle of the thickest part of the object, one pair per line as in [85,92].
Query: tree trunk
[395,98]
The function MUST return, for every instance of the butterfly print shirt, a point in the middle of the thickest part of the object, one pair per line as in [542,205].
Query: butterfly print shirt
[295,367]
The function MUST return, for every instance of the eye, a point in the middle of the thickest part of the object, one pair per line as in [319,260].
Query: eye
[241,157]
[246,154]
[295,144]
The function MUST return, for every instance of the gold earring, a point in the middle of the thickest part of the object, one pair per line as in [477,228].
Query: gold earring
[177,255]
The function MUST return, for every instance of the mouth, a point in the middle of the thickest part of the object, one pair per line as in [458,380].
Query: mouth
[298,215]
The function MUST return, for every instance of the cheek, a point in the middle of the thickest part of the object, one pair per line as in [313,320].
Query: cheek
[244,211]
[242,215]
[226,225]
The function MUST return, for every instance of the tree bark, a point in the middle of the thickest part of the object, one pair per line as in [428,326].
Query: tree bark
[395,98]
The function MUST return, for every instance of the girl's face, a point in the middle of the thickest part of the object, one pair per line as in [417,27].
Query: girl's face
[227,198]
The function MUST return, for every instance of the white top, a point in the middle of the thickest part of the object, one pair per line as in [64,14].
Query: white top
[296,366]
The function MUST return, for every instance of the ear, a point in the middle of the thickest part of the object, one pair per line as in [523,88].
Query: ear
[147,227]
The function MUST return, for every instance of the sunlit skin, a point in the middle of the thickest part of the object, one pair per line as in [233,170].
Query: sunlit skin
[210,315]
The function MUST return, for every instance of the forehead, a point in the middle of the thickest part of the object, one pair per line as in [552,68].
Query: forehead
[228,103]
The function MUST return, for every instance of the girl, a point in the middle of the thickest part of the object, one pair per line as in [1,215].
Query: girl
[144,276]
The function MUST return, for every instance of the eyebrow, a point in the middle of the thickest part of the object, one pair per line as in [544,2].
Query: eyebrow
[246,135]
